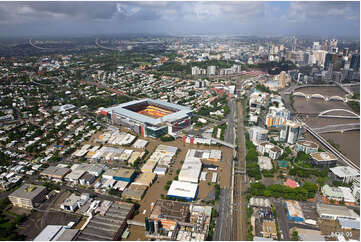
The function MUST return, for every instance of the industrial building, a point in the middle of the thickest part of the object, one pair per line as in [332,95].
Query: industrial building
[333,212]
[55,172]
[28,196]
[191,169]
[120,174]
[294,211]
[108,221]
[345,174]
[306,146]
[323,159]
[135,192]
[269,229]
[338,194]
[149,117]
[173,220]
[57,233]
[161,158]
[183,190]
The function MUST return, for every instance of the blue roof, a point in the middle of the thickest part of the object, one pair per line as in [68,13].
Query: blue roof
[182,111]
[349,223]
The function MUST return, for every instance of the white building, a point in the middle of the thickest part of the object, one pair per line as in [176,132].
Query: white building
[333,212]
[291,131]
[258,134]
[264,163]
[183,190]
[273,150]
[191,170]
[345,174]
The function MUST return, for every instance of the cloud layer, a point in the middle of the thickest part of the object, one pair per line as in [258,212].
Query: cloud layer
[325,18]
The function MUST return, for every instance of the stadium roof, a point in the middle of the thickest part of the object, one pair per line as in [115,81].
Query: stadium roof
[182,111]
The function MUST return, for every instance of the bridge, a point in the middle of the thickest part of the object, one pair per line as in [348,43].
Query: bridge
[337,128]
[324,114]
[329,147]
[325,98]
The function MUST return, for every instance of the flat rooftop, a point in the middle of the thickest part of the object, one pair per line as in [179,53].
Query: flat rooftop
[173,210]
[28,191]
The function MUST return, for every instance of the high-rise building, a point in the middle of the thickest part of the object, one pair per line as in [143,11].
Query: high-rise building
[328,60]
[355,62]
[291,131]
[282,79]
[346,51]
[211,70]
[294,43]
[316,46]
[258,134]
[277,117]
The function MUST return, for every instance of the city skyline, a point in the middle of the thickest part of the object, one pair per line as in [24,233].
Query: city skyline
[169,17]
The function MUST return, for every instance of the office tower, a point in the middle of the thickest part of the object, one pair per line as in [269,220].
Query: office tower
[355,62]
[316,46]
[328,60]
[282,79]
[294,43]
[291,131]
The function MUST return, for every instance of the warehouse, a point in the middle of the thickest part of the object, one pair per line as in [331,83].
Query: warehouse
[120,174]
[109,223]
[55,172]
[135,192]
[333,212]
[149,117]
[191,169]
[145,179]
[56,233]
[338,193]
[140,144]
[183,190]
[294,211]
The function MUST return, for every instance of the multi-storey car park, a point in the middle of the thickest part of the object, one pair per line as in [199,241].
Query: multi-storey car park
[149,117]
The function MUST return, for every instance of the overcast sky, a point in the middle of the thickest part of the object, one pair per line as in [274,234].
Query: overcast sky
[243,18]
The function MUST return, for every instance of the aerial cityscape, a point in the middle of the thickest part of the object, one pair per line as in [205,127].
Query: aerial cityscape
[180,121]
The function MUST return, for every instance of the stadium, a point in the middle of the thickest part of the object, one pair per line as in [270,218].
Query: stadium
[149,117]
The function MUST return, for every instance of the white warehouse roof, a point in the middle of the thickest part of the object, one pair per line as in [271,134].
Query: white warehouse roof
[183,189]
[191,170]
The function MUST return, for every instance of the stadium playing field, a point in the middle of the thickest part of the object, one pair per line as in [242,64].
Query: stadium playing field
[154,112]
